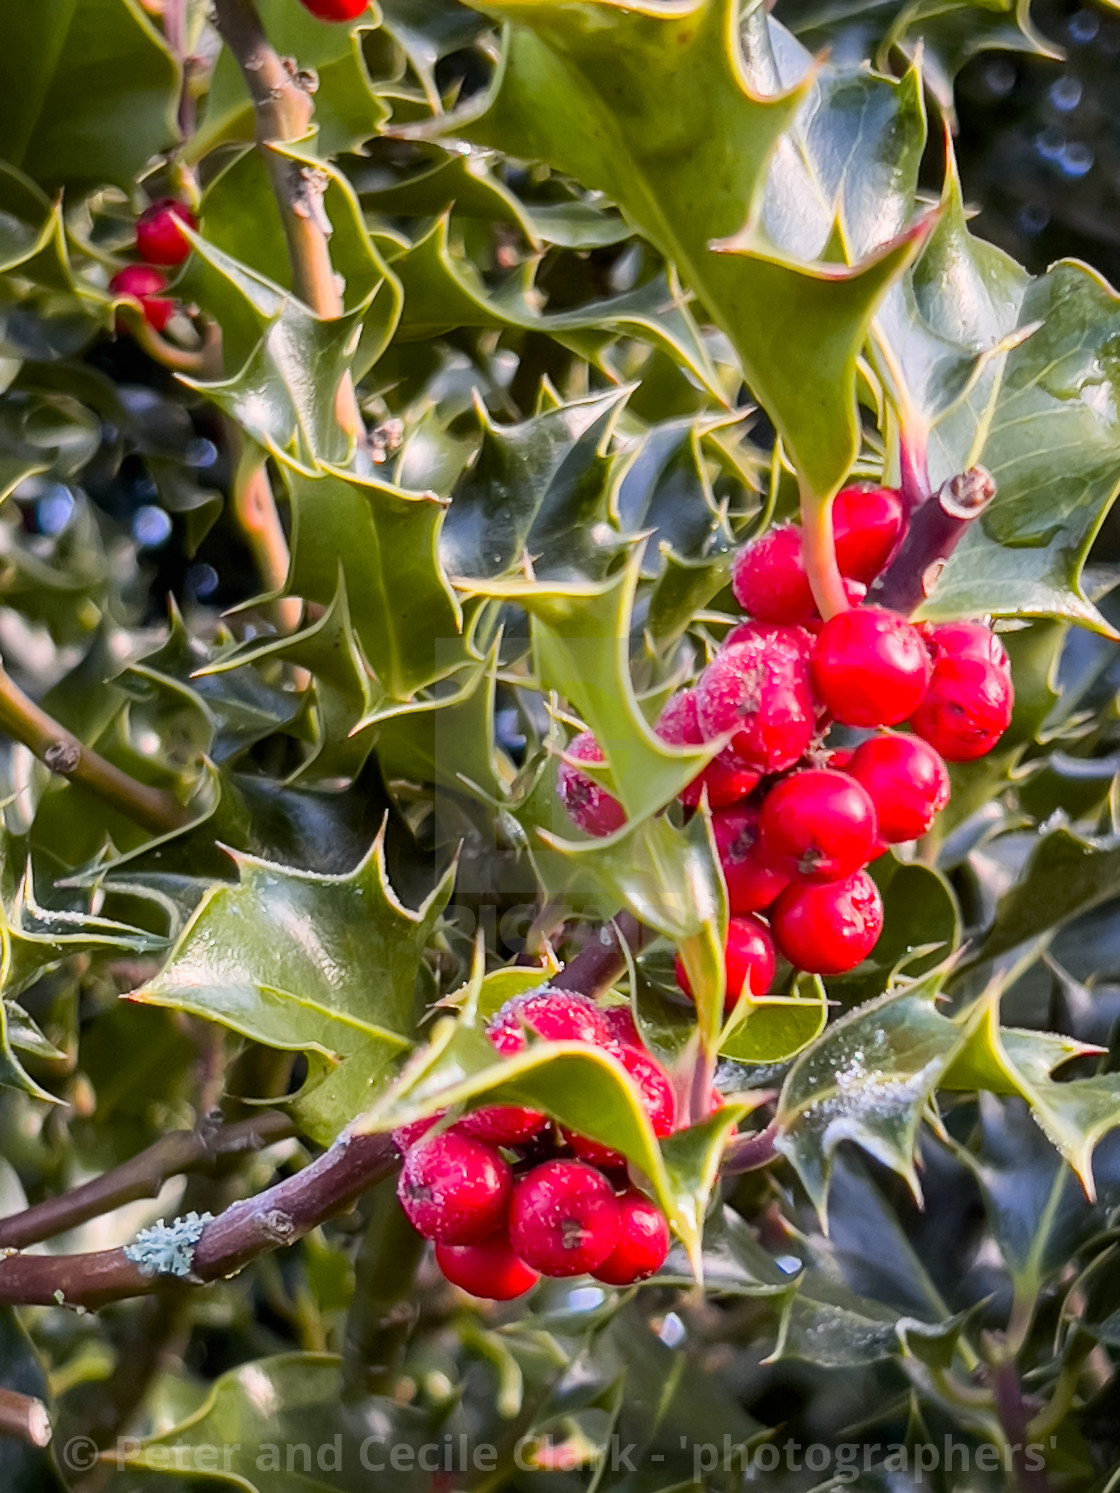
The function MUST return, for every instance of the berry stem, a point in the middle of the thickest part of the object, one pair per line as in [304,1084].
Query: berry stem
[143,1176]
[913,472]
[819,551]
[936,528]
[178,359]
[153,809]
[283,113]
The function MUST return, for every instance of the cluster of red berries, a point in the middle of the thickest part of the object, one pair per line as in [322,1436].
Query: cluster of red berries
[508,1197]
[796,823]
[161,244]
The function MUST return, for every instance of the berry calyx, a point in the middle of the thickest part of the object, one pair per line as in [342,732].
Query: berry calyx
[564,1219]
[906,780]
[590,807]
[139,282]
[965,640]
[966,710]
[749,961]
[818,825]
[554,1015]
[828,929]
[725,778]
[490,1270]
[643,1242]
[658,1101]
[335,10]
[454,1189]
[758,687]
[752,882]
[870,667]
[159,235]
[866,525]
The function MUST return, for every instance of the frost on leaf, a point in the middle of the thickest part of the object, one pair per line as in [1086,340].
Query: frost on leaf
[168,1248]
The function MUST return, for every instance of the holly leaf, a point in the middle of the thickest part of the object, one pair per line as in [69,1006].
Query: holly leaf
[1066,873]
[305,962]
[96,104]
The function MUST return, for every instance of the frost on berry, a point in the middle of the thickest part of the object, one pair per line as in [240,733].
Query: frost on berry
[554,1015]
[758,689]
[590,807]
[966,709]
[871,667]
[564,1219]
[907,782]
[818,825]
[725,779]
[643,1242]
[828,929]
[454,1189]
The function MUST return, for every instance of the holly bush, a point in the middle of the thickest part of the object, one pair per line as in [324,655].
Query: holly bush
[437,423]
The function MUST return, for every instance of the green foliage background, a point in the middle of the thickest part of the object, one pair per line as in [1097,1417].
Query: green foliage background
[621,285]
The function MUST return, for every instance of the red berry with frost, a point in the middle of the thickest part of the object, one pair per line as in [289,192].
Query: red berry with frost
[554,1015]
[752,882]
[490,1270]
[643,1242]
[658,1101]
[407,1136]
[768,577]
[142,283]
[906,780]
[867,523]
[590,807]
[454,1189]
[871,667]
[725,779]
[336,10]
[503,1124]
[818,825]
[828,929]
[758,688]
[159,233]
[749,961]
[564,1219]
[965,640]
[967,709]
[621,1027]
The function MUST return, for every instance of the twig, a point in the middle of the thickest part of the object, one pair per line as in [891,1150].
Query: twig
[597,967]
[283,113]
[256,511]
[24,1417]
[937,526]
[152,808]
[274,1218]
[143,1176]
[1014,1418]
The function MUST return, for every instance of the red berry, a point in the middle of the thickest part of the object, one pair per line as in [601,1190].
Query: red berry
[906,781]
[555,1016]
[590,807]
[828,929]
[658,1101]
[503,1124]
[142,283]
[621,1026]
[749,961]
[752,883]
[818,824]
[490,1269]
[870,667]
[643,1242]
[967,708]
[965,640]
[159,238]
[406,1136]
[866,525]
[725,778]
[335,10]
[564,1219]
[454,1189]
[768,578]
[758,686]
